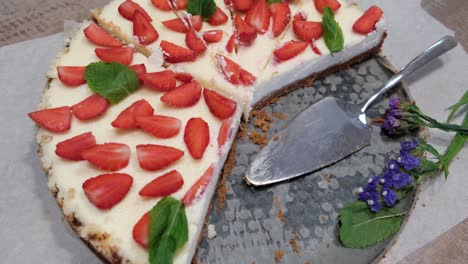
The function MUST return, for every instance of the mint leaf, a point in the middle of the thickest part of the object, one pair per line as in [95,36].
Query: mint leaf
[205,8]
[274,1]
[361,228]
[113,81]
[454,108]
[332,33]
[168,230]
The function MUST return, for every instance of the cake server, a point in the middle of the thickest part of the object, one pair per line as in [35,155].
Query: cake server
[327,131]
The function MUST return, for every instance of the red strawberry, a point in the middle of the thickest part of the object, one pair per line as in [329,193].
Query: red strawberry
[196,22]
[71,148]
[120,55]
[176,24]
[197,137]
[242,5]
[281,14]
[107,190]
[156,157]
[218,18]
[179,4]
[108,156]
[246,77]
[90,107]
[72,75]
[259,16]
[185,95]
[194,42]
[224,132]
[219,105]
[230,69]
[159,126]
[140,230]
[366,23]
[143,30]
[211,36]
[164,185]
[162,4]
[53,119]
[230,45]
[160,81]
[307,30]
[198,188]
[126,119]
[227,2]
[98,36]
[300,16]
[174,53]
[244,31]
[290,50]
[315,49]
[128,8]
[139,69]
[183,77]
[333,4]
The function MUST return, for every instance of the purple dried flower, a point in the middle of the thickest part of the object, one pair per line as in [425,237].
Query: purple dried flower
[397,113]
[394,102]
[391,125]
[407,146]
[375,205]
[389,196]
[400,179]
[408,161]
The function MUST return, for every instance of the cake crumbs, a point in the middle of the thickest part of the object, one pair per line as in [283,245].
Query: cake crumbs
[279,255]
[296,248]
[227,170]
[281,216]
[258,138]
[279,116]
[262,120]
[276,138]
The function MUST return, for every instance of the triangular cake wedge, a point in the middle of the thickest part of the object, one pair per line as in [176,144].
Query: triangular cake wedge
[109,231]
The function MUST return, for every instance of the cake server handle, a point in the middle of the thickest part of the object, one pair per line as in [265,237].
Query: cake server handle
[440,47]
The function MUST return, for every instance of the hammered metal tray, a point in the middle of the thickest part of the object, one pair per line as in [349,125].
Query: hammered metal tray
[299,218]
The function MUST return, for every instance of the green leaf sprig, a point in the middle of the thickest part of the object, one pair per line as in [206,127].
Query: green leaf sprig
[111,80]
[204,8]
[332,33]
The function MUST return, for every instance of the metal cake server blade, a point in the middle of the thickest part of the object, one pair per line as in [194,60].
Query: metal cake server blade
[327,131]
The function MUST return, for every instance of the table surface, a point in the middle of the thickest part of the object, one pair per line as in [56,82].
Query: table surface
[29,19]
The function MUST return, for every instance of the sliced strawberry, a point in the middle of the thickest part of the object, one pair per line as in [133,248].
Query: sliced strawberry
[194,42]
[259,16]
[366,23]
[185,95]
[156,157]
[290,50]
[197,137]
[307,30]
[53,119]
[108,156]
[127,120]
[281,14]
[212,36]
[140,230]
[139,69]
[219,105]
[230,69]
[230,45]
[90,107]
[72,75]
[71,148]
[315,49]
[196,22]
[246,77]
[198,188]
[143,30]
[245,33]
[242,5]
[301,16]
[159,126]
[107,190]
[224,132]
[333,4]
[218,18]
[160,81]
[164,185]
[120,55]
[174,53]
[177,25]
[162,4]
[183,77]
[98,36]
[179,4]
[128,8]
[228,2]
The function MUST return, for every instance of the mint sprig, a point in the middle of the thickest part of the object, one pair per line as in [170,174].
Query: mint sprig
[111,80]
[274,1]
[204,8]
[168,230]
[332,33]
